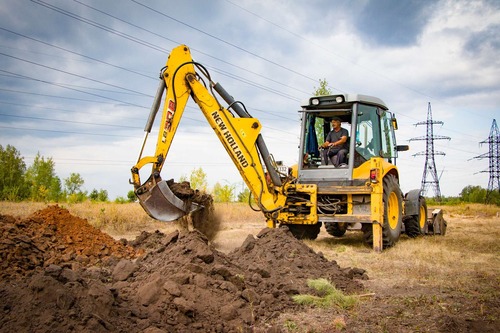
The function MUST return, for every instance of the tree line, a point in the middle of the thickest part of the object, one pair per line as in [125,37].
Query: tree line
[39,182]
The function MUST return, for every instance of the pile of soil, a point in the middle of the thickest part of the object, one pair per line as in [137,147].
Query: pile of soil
[60,274]
[54,236]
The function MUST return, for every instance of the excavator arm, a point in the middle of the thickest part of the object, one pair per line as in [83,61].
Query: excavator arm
[236,129]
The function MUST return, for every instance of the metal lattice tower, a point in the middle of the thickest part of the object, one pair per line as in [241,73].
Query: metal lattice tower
[430,163]
[493,156]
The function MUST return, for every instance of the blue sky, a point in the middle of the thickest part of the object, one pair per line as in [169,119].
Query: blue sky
[77,78]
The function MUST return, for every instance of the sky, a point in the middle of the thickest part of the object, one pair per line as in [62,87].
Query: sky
[77,79]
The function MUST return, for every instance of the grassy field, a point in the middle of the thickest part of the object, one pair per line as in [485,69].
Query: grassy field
[464,264]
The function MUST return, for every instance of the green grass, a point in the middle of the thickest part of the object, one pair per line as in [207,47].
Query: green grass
[327,296]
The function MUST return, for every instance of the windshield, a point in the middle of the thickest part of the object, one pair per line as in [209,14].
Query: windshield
[316,129]
[371,121]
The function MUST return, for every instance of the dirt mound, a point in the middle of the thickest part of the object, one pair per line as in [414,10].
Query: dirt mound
[275,253]
[54,236]
[179,284]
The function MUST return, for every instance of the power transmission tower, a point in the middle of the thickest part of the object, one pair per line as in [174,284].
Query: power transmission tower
[493,156]
[430,163]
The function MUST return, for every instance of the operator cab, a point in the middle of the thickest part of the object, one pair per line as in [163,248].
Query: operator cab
[371,133]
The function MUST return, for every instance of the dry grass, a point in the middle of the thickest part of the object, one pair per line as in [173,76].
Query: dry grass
[128,220]
[466,259]
[468,254]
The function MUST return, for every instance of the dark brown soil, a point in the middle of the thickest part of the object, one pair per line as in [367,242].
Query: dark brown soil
[203,219]
[59,274]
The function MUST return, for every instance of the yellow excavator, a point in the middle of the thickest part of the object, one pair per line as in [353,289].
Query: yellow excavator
[361,193]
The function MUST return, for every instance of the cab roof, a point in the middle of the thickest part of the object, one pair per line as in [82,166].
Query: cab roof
[341,101]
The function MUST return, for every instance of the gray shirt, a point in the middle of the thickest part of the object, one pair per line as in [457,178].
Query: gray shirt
[336,136]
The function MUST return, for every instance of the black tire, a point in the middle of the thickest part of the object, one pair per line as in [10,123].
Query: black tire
[336,229]
[393,208]
[416,225]
[367,233]
[304,231]
[393,214]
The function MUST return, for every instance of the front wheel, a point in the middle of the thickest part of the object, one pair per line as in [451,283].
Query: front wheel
[336,229]
[304,231]
[393,214]
[393,211]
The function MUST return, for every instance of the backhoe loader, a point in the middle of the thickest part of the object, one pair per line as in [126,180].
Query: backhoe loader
[362,193]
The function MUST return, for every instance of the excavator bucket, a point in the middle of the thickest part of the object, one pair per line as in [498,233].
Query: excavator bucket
[162,204]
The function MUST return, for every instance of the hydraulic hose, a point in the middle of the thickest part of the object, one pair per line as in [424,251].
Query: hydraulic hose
[261,145]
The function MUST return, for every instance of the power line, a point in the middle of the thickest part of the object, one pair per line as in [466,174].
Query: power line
[64,85]
[69,121]
[67,132]
[72,74]
[58,96]
[132,38]
[356,64]
[226,42]
[78,54]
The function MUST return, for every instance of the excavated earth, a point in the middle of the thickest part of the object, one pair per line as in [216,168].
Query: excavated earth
[60,274]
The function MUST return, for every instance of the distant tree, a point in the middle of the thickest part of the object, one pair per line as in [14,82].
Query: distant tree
[101,195]
[223,193]
[318,91]
[131,196]
[244,196]
[121,200]
[493,198]
[42,179]
[55,190]
[474,194]
[322,89]
[74,183]
[198,180]
[94,195]
[12,174]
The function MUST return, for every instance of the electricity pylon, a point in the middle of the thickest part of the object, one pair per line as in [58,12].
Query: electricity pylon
[494,160]
[430,163]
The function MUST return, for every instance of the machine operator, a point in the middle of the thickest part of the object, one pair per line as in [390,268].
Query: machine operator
[335,148]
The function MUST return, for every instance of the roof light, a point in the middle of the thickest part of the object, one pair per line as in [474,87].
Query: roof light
[339,99]
[315,101]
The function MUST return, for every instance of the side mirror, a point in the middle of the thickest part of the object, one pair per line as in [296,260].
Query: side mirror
[403,148]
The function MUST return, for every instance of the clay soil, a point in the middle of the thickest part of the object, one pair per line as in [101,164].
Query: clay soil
[60,274]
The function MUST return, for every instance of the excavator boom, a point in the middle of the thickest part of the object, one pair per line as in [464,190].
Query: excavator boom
[239,134]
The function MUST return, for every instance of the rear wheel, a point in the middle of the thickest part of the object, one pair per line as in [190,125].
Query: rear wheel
[336,229]
[416,225]
[304,231]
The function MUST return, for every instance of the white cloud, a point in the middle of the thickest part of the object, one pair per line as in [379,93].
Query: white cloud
[450,60]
